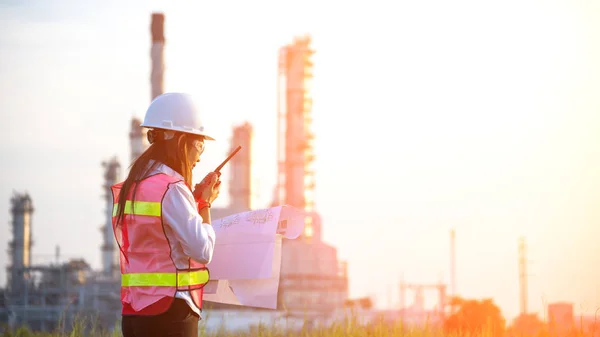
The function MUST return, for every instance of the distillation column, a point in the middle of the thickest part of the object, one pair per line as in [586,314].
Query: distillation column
[20,246]
[110,250]
[137,139]
[295,182]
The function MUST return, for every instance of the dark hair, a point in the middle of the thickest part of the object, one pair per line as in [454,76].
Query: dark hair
[171,152]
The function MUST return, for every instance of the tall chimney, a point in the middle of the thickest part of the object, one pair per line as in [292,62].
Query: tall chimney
[110,250]
[137,134]
[156,54]
[240,186]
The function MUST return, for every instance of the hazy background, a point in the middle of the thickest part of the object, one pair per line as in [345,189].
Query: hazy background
[427,116]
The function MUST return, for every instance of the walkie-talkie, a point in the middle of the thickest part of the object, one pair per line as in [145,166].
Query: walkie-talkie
[218,169]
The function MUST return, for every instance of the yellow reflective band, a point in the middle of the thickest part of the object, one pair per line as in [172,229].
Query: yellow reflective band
[193,278]
[165,279]
[141,208]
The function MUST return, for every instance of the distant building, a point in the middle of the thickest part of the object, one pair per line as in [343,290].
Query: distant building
[560,318]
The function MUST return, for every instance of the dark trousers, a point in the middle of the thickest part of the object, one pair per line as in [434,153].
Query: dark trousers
[178,321]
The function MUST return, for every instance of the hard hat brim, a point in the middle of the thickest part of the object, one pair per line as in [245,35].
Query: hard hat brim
[182,130]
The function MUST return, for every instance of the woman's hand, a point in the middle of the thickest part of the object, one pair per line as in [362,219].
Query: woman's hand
[208,189]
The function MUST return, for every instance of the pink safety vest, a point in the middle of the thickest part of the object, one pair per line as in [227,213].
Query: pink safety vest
[148,274]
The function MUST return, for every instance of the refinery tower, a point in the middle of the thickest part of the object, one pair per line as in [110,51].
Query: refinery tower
[313,281]
[20,246]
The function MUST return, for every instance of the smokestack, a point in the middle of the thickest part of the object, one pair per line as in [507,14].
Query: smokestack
[20,247]
[452,263]
[137,134]
[240,186]
[110,251]
[156,54]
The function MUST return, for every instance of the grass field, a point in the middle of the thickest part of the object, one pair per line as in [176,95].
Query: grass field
[334,331]
[82,328]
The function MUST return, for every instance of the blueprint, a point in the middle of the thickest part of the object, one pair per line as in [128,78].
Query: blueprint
[246,262]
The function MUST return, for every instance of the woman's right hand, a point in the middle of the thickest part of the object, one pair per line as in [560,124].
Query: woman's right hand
[208,189]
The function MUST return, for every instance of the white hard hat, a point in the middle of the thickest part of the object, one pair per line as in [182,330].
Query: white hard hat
[174,111]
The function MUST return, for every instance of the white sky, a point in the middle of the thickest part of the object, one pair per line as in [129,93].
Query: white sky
[428,115]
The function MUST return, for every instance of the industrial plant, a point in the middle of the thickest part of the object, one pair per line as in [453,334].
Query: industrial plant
[313,280]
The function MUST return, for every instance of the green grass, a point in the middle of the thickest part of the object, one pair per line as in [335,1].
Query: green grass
[260,331]
[83,327]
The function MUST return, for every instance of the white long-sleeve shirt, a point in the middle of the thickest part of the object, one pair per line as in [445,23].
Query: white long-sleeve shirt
[188,235]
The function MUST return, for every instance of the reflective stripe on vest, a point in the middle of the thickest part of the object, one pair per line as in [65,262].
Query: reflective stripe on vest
[140,208]
[183,279]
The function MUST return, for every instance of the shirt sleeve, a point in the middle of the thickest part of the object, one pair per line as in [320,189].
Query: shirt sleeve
[179,212]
